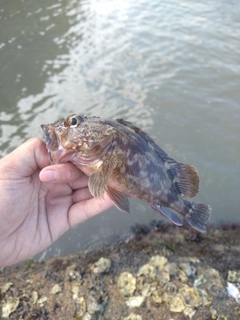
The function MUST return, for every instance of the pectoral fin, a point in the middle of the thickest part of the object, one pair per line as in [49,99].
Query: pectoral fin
[168,213]
[97,185]
[120,200]
[97,182]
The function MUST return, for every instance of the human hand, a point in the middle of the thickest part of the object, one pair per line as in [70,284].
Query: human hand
[38,203]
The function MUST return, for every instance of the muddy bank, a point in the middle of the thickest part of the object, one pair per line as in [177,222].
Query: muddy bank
[162,272]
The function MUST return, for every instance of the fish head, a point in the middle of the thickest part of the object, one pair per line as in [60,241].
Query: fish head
[77,139]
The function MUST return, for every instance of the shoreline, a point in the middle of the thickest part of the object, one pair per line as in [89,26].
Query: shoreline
[162,272]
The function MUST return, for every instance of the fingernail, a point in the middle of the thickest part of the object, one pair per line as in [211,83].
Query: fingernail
[48,175]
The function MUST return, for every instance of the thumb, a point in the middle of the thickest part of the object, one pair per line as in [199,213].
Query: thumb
[62,173]
[26,159]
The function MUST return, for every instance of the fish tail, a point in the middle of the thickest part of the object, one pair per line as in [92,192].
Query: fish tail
[198,215]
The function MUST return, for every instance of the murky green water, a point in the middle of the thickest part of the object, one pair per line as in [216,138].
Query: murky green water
[171,67]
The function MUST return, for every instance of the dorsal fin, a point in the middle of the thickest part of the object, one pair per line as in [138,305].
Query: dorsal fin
[146,138]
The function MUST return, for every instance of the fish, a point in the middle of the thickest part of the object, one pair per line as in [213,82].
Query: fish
[123,161]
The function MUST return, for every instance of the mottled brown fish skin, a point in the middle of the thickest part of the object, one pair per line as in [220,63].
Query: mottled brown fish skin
[124,161]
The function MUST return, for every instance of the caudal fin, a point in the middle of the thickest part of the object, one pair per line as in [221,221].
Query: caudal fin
[198,216]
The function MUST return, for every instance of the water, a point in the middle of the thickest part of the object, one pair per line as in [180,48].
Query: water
[171,67]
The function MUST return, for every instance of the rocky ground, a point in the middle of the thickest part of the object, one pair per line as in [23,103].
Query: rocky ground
[162,272]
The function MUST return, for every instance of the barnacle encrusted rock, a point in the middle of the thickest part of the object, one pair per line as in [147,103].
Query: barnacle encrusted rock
[155,269]
[86,316]
[156,298]
[92,305]
[148,271]
[200,280]
[42,300]
[126,284]
[56,289]
[233,276]
[103,265]
[81,306]
[34,297]
[133,289]
[133,316]
[135,301]
[9,307]
[214,283]
[188,268]
[74,275]
[170,291]
[222,317]
[176,304]
[75,291]
[6,287]
[147,289]
[205,298]
[189,312]
[96,300]
[190,296]
[158,261]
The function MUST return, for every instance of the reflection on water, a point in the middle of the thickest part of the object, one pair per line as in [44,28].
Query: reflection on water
[171,67]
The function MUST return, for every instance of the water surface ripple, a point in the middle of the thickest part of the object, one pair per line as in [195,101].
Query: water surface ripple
[171,67]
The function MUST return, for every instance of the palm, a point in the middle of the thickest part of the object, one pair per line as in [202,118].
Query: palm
[35,218]
[37,213]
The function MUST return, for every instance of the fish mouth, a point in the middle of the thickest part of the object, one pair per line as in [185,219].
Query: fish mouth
[51,141]
[46,134]
[50,137]
[56,153]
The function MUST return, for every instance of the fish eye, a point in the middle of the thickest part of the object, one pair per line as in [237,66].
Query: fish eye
[72,121]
